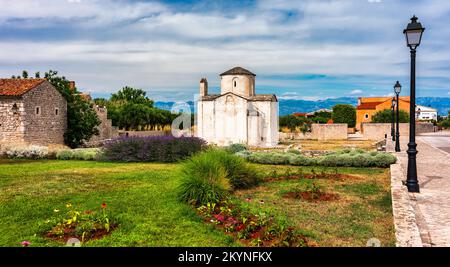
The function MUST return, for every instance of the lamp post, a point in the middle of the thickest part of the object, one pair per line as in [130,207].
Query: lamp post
[397,90]
[413,33]
[393,119]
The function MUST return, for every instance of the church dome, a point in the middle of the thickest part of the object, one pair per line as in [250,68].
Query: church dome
[237,71]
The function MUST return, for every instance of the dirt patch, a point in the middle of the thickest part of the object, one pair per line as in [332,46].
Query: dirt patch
[312,196]
[332,176]
[70,233]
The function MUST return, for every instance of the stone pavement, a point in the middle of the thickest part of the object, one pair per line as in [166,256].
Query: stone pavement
[427,211]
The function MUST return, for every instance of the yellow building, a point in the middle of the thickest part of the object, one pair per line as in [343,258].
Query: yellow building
[368,106]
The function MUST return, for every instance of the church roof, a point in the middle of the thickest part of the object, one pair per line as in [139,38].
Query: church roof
[259,97]
[18,87]
[238,71]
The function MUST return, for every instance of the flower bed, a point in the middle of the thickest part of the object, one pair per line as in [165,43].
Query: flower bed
[82,225]
[259,230]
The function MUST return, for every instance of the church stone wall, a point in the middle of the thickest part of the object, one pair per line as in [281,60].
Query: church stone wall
[245,84]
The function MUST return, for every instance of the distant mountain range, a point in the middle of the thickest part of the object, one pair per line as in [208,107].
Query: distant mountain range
[289,106]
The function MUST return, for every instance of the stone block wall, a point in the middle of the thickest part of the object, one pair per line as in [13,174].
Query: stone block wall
[49,124]
[106,130]
[12,128]
[377,131]
[337,131]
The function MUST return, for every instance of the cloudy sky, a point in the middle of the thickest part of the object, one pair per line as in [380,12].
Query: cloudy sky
[298,49]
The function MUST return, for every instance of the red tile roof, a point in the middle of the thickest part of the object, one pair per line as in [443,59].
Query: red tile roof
[369,105]
[18,87]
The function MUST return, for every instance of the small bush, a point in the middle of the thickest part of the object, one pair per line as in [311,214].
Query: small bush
[152,149]
[299,160]
[28,152]
[78,154]
[234,148]
[294,151]
[343,158]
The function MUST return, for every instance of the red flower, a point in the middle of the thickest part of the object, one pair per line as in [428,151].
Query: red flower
[240,227]
[255,235]
[219,217]
[25,243]
[103,205]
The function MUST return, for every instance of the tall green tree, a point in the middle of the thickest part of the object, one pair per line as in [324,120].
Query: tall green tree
[344,113]
[385,116]
[82,120]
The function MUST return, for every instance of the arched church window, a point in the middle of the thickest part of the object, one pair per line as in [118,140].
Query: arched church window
[235,80]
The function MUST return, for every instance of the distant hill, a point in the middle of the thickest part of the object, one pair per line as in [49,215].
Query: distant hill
[289,106]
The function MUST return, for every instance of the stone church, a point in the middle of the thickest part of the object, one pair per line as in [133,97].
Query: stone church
[237,114]
[32,111]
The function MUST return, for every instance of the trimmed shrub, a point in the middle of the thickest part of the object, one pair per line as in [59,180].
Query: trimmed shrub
[344,158]
[78,154]
[152,149]
[28,152]
[294,151]
[299,160]
[234,148]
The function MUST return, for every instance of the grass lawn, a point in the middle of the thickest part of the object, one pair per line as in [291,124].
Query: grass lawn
[362,211]
[143,195]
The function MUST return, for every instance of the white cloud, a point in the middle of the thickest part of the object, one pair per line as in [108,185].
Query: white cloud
[356,92]
[155,46]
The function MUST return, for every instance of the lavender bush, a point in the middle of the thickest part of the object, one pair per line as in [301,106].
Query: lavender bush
[152,148]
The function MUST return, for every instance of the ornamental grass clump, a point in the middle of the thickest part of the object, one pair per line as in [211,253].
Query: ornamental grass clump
[152,149]
[210,176]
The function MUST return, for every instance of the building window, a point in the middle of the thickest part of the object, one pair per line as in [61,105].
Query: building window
[366,116]
[56,111]
[235,82]
[38,110]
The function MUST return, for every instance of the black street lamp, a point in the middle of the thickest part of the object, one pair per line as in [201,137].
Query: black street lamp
[393,119]
[413,33]
[397,90]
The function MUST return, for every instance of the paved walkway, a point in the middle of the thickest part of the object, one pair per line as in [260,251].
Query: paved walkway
[431,206]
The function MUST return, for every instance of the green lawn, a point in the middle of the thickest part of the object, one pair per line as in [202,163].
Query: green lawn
[144,197]
[142,194]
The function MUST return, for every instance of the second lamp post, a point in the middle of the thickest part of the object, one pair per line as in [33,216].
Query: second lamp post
[397,90]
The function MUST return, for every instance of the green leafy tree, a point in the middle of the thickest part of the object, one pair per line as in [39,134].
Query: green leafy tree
[385,116]
[344,113]
[131,109]
[82,120]
[131,95]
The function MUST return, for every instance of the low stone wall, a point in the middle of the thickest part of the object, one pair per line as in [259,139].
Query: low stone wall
[318,132]
[377,131]
[295,136]
[337,131]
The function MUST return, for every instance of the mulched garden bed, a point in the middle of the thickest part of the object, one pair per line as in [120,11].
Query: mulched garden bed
[312,196]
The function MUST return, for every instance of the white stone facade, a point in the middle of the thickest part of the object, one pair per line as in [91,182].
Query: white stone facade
[237,115]
[426,113]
